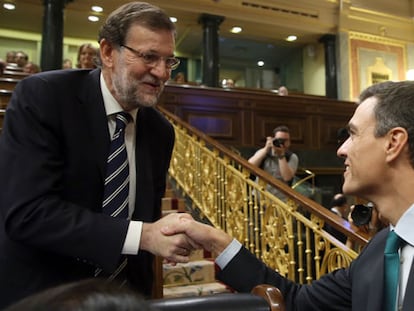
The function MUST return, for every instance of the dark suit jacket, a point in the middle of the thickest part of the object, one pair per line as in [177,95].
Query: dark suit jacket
[53,151]
[358,288]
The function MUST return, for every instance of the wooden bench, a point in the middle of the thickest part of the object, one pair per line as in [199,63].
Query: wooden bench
[8,83]
[13,67]
[2,113]
[5,96]
[14,74]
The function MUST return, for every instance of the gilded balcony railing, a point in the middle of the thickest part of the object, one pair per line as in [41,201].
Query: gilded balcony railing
[287,236]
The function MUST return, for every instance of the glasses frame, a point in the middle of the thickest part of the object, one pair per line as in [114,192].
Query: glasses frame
[170,62]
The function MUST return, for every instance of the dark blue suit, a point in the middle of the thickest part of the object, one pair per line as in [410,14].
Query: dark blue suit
[358,288]
[53,151]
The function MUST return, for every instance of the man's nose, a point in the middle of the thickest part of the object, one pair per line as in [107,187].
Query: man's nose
[161,70]
[343,149]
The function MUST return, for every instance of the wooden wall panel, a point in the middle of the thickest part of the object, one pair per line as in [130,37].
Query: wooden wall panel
[5,96]
[243,118]
[329,130]
[2,111]
[265,123]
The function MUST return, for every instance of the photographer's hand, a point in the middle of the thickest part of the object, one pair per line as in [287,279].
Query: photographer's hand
[261,154]
[269,143]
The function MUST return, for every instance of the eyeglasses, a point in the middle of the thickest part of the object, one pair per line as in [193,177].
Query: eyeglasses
[153,60]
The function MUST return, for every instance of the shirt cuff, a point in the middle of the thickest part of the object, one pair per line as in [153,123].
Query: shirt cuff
[133,238]
[228,254]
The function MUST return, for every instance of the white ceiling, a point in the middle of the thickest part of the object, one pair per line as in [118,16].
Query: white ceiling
[265,23]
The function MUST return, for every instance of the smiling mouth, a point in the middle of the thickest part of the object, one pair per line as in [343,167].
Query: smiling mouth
[346,170]
[151,85]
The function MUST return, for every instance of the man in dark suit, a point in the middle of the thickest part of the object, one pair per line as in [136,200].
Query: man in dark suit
[53,153]
[379,162]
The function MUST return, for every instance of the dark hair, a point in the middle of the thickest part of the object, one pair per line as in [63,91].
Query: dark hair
[86,295]
[281,128]
[118,23]
[395,107]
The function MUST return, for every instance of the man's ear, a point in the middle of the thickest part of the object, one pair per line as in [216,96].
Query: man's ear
[396,142]
[106,53]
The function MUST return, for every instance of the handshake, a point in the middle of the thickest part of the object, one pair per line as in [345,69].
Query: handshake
[175,236]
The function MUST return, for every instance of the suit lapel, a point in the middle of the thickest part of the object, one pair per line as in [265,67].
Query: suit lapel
[368,275]
[408,304]
[374,294]
[144,200]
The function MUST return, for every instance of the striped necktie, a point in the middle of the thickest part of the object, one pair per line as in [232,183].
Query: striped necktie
[115,202]
[391,270]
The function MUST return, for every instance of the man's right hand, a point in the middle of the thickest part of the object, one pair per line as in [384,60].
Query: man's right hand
[208,237]
[175,247]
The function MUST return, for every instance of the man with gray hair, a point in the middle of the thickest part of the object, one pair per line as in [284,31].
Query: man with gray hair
[61,217]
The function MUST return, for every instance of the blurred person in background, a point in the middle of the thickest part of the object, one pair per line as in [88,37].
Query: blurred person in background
[31,68]
[283,91]
[67,64]
[21,59]
[11,57]
[87,56]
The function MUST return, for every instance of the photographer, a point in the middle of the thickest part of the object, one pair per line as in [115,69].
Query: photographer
[276,158]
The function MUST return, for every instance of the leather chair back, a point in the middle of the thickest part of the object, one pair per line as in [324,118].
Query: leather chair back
[216,302]
[263,297]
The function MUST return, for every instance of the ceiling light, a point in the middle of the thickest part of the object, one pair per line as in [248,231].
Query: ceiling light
[236,29]
[173,19]
[291,38]
[410,75]
[9,6]
[93,18]
[97,9]
[260,63]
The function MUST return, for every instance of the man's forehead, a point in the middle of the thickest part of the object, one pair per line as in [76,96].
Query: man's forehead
[281,133]
[365,108]
[364,113]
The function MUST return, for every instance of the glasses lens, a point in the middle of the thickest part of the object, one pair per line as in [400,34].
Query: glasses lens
[150,59]
[172,63]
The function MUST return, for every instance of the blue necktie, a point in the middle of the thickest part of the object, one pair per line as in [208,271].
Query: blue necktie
[391,270]
[115,202]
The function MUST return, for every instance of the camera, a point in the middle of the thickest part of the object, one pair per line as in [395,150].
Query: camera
[279,142]
[361,214]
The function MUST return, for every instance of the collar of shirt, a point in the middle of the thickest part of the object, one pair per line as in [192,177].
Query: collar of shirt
[111,105]
[404,227]
[404,230]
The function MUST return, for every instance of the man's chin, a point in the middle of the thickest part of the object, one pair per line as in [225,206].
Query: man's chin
[148,100]
[347,188]
[147,104]
[355,191]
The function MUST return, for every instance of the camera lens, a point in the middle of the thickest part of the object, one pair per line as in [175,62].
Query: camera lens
[278,142]
[361,214]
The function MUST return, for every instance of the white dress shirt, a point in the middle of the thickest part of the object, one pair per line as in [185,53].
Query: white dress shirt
[405,231]
[133,238]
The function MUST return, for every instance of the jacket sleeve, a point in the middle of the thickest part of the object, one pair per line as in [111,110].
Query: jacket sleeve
[331,292]
[41,205]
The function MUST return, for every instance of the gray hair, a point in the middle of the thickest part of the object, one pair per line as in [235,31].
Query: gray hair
[118,23]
